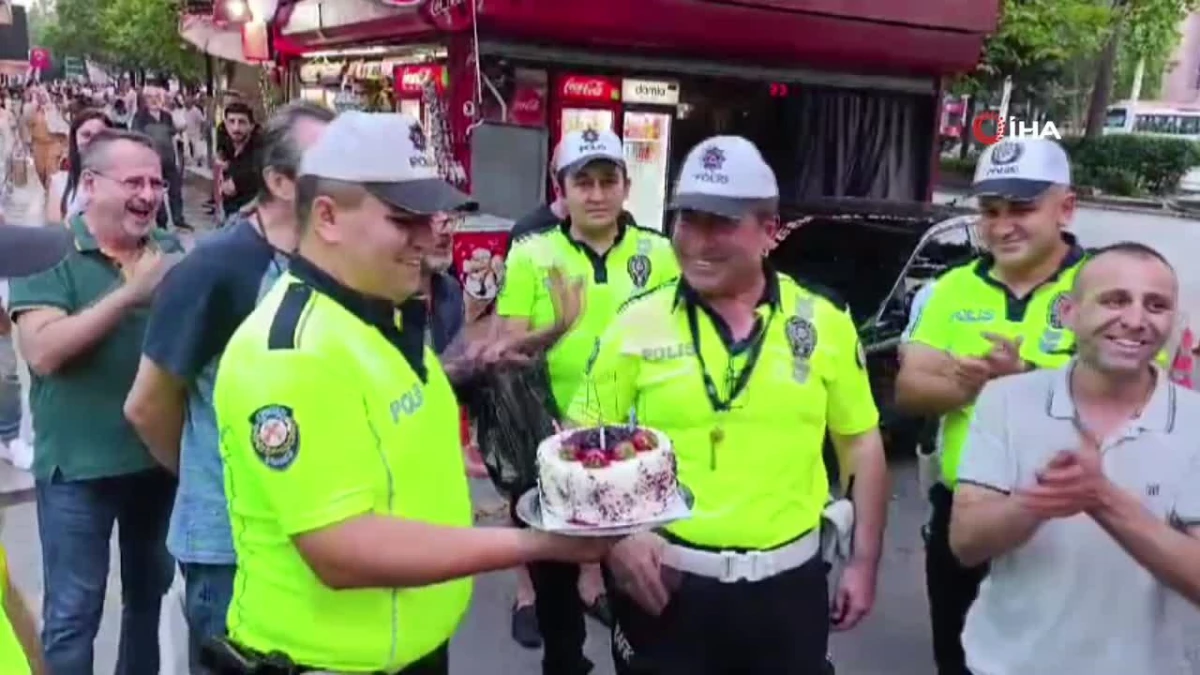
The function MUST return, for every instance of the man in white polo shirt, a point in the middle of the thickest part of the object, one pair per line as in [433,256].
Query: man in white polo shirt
[1081,485]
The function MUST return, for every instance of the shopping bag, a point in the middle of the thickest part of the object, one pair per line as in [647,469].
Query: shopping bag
[173,630]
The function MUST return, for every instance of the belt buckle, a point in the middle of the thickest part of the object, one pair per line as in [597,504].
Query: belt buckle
[751,566]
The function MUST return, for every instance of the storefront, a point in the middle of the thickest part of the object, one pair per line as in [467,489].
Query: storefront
[843,101]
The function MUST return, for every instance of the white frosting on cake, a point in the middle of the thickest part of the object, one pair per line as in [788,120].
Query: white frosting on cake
[623,491]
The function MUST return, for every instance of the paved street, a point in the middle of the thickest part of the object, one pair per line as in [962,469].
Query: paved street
[894,641]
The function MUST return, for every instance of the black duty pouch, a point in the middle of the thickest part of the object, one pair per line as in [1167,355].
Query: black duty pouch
[513,409]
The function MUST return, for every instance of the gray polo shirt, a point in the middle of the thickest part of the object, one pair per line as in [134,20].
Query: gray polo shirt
[1071,600]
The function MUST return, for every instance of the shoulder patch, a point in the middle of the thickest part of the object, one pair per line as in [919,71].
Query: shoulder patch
[285,327]
[275,436]
[633,299]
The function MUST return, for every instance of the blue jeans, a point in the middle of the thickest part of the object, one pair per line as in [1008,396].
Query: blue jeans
[207,592]
[75,522]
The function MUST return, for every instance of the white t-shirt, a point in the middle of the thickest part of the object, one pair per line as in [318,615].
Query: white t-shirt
[1071,600]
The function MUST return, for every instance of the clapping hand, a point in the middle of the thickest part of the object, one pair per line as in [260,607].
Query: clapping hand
[566,294]
[1071,483]
[1005,357]
[971,373]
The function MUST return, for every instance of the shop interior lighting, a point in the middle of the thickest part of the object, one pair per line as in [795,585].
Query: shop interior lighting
[234,11]
[400,55]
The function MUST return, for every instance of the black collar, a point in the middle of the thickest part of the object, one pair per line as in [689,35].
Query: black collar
[690,299]
[1076,253]
[403,325]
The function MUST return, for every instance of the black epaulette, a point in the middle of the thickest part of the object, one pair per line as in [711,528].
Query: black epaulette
[537,231]
[648,230]
[638,296]
[822,291]
[285,327]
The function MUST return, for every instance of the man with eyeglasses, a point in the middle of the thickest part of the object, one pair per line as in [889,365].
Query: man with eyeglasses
[80,326]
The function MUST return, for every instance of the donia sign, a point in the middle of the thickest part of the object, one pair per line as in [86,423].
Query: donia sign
[988,128]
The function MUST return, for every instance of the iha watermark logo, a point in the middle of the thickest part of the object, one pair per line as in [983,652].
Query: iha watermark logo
[989,128]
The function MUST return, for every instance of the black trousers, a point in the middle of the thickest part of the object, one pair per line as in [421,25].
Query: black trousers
[560,613]
[778,626]
[951,587]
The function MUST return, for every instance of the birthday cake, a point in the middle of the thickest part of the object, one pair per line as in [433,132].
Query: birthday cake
[621,476]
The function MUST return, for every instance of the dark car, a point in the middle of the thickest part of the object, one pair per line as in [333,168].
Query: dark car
[875,256]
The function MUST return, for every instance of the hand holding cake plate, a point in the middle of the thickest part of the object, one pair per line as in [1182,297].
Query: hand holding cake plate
[604,482]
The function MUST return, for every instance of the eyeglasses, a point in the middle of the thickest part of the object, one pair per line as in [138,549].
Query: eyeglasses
[136,184]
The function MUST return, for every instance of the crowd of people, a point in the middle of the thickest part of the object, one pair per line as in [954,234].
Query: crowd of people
[276,412]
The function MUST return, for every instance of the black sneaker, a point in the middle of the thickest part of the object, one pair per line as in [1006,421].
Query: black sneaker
[525,629]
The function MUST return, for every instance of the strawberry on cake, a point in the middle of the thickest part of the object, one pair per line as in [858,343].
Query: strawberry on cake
[622,476]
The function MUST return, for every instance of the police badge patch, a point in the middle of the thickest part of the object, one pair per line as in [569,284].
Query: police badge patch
[802,336]
[1007,152]
[639,270]
[416,136]
[275,436]
[1054,316]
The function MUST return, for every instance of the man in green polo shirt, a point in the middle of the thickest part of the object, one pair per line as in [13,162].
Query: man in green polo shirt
[608,259]
[995,316]
[80,326]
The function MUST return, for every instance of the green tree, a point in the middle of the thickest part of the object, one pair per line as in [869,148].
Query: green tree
[74,29]
[144,34]
[1144,29]
[1036,39]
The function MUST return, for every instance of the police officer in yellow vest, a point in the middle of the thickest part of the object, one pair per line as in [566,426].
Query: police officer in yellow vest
[995,316]
[23,251]
[746,371]
[351,516]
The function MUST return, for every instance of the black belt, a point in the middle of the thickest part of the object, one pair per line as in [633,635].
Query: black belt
[221,656]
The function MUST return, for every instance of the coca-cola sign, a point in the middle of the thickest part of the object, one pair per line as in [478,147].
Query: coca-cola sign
[412,79]
[589,88]
[528,107]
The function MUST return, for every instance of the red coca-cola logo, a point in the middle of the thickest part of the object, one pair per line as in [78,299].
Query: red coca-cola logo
[528,107]
[412,79]
[448,15]
[586,88]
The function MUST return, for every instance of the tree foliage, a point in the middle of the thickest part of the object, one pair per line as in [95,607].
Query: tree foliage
[1036,39]
[129,34]
[1152,26]
[144,34]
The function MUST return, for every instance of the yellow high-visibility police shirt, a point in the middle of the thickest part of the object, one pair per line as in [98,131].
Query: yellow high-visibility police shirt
[749,436]
[639,259]
[12,655]
[969,301]
[331,406]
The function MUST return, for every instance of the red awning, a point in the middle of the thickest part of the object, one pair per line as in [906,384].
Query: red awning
[913,37]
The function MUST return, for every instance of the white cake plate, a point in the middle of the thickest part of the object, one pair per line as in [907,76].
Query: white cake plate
[529,510]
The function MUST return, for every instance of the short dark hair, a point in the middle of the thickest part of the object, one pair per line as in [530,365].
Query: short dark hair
[308,188]
[1132,249]
[95,156]
[240,108]
[279,150]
